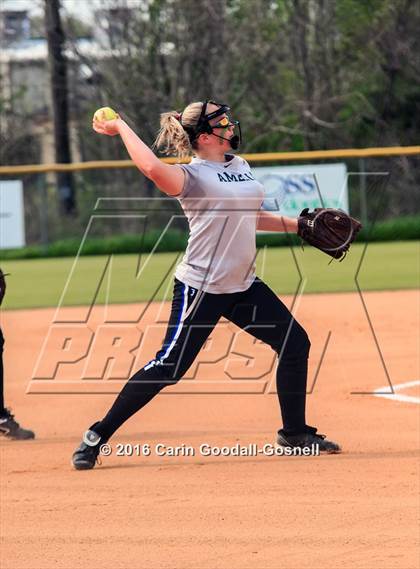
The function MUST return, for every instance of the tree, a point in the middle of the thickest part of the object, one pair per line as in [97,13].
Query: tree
[300,74]
[59,92]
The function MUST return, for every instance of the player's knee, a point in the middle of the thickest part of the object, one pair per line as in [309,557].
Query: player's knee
[297,344]
[167,373]
[300,341]
[305,343]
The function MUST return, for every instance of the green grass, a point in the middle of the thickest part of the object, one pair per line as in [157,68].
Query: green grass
[40,282]
[405,228]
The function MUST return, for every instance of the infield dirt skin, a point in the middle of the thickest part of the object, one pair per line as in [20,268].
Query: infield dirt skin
[359,509]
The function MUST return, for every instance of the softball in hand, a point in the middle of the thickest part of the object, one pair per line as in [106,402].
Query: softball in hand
[105,114]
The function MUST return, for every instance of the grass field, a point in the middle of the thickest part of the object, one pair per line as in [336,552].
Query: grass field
[41,282]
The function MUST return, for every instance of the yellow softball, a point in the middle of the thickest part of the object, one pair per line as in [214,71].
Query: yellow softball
[105,114]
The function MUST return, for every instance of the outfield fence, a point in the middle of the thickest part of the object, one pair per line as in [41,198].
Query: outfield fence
[120,179]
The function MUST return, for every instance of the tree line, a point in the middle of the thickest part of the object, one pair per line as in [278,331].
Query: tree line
[299,74]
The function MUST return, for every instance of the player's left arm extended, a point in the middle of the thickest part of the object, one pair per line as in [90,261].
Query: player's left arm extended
[280,223]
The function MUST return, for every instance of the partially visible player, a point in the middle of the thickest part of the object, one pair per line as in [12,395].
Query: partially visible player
[8,426]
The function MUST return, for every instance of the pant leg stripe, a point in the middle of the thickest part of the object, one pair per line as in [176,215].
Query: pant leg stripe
[193,304]
[179,325]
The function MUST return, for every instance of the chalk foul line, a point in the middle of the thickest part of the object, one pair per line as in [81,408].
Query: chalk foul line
[396,396]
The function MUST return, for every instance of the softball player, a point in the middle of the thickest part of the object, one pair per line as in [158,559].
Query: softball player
[9,427]
[216,278]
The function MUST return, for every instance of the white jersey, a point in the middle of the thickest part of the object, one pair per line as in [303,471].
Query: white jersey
[221,201]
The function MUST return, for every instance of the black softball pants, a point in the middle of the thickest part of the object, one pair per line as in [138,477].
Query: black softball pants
[194,315]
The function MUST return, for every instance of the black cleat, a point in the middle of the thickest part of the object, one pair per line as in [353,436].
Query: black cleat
[310,439]
[86,455]
[11,429]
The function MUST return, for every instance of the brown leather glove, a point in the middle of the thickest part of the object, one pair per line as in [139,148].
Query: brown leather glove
[330,230]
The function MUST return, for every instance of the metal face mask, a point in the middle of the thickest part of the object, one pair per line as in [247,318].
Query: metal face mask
[203,124]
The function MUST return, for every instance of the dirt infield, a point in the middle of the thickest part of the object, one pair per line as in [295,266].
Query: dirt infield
[355,510]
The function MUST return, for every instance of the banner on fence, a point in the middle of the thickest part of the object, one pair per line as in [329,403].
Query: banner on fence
[12,219]
[289,189]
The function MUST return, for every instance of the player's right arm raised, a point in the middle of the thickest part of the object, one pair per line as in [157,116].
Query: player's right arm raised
[169,178]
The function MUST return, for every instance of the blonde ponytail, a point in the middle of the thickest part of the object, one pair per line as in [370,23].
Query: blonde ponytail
[172,139]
